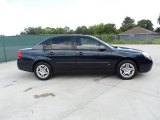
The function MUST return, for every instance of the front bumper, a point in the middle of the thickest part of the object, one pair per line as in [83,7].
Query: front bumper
[145,65]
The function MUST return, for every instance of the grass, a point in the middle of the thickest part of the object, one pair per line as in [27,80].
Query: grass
[156,41]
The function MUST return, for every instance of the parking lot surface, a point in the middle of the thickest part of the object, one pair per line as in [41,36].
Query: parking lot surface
[81,96]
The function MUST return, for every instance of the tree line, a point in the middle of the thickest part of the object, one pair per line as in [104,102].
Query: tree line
[99,29]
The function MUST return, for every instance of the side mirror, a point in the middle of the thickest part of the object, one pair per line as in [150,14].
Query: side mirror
[102,48]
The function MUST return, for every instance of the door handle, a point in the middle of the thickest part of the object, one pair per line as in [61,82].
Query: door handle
[80,53]
[51,53]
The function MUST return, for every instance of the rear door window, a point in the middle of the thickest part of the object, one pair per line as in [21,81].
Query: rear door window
[62,43]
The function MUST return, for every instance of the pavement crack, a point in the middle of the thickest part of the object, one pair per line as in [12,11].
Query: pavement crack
[7,85]
[32,111]
[44,95]
[98,79]
[28,89]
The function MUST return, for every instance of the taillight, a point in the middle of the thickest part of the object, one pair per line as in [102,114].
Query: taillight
[19,54]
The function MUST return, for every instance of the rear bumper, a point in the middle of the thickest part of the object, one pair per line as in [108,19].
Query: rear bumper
[145,66]
[25,65]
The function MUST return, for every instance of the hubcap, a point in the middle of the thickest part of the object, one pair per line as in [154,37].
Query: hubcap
[42,71]
[127,70]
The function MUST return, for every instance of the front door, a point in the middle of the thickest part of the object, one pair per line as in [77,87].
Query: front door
[88,55]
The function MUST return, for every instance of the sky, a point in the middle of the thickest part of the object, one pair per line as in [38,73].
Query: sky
[15,15]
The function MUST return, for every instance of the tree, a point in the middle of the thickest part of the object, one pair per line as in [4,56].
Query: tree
[90,30]
[33,31]
[157,30]
[102,29]
[147,24]
[28,31]
[98,29]
[158,20]
[119,30]
[47,30]
[67,30]
[128,23]
[110,29]
[81,30]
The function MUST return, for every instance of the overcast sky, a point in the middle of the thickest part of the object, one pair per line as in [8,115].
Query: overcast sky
[15,15]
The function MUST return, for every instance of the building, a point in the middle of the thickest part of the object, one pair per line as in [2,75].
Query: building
[137,34]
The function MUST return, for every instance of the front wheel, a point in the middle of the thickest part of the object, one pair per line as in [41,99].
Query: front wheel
[127,69]
[43,71]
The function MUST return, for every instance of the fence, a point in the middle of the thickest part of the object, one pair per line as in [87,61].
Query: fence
[107,38]
[9,45]
[138,37]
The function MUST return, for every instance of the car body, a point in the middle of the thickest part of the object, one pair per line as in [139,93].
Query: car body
[70,53]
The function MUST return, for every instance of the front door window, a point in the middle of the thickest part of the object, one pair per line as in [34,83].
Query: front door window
[84,43]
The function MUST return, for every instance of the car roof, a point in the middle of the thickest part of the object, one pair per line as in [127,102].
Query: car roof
[64,35]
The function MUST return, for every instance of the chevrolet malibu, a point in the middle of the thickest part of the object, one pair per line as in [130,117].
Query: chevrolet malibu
[75,53]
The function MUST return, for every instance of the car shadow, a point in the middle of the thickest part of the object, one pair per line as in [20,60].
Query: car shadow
[100,75]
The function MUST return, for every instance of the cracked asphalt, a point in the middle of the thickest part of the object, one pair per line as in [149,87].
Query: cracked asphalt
[81,96]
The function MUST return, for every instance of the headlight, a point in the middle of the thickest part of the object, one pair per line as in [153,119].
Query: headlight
[146,55]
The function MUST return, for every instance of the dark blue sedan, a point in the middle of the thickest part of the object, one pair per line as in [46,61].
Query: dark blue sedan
[76,53]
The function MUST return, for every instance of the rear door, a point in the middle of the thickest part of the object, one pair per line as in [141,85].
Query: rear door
[62,53]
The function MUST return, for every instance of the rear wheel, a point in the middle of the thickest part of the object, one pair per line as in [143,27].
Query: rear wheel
[43,71]
[127,69]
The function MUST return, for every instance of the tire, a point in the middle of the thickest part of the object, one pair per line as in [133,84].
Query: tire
[126,69]
[43,71]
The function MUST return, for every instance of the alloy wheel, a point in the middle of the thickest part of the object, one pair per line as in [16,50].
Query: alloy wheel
[42,71]
[127,70]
